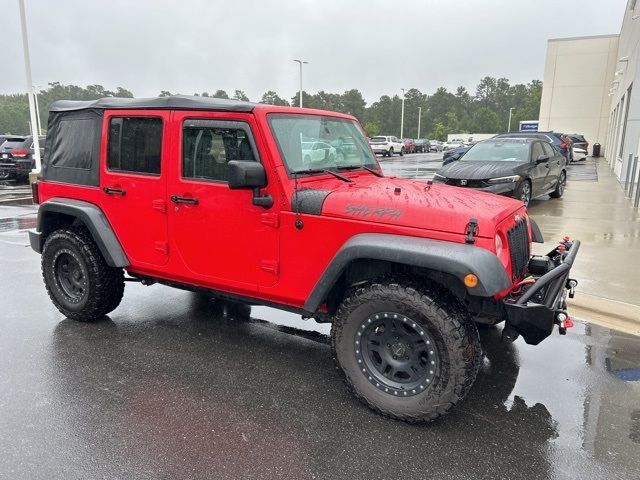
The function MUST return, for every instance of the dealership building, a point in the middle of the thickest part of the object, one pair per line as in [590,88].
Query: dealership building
[589,89]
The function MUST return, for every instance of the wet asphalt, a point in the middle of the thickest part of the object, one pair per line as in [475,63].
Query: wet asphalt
[172,385]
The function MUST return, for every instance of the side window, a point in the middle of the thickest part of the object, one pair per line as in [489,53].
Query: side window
[135,145]
[207,147]
[548,149]
[536,151]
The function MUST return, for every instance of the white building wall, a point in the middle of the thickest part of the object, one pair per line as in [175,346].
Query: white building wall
[624,130]
[575,93]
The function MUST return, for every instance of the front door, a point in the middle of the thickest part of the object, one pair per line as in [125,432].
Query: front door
[539,171]
[133,183]
[217,233]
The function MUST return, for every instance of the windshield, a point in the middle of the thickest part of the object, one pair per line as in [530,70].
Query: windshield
[498,152]
[378,139]
[309,142]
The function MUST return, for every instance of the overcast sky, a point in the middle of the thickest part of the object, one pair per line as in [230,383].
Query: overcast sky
[376,46]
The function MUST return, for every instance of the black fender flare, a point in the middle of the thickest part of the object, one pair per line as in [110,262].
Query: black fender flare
[457,259]
[92,217]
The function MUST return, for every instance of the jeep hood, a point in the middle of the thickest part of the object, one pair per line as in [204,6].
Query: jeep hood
[412,203]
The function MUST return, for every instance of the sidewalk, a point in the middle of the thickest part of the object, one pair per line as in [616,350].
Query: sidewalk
[595,211]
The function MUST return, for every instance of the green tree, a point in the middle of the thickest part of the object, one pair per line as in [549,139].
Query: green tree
[240,95]
[371,129]
[220,94]
[271,98]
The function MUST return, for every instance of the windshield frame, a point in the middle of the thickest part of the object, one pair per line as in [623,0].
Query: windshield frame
[291,174]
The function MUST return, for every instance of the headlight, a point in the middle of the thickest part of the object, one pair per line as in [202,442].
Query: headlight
[439,178]
[510,179]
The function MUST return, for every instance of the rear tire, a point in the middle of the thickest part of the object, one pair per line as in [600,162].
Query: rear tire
[562,182]
[408,354]
[402,152]
[390,152]
[78,280]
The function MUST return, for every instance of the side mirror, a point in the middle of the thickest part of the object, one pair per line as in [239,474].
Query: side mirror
[542,158]
[245,174]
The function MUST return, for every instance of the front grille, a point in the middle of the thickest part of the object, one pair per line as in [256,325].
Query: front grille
[466,183]
[518,238]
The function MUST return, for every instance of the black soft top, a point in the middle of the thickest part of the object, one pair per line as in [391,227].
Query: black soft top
[176,102]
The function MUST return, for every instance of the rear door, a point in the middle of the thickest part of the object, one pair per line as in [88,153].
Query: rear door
[539,171]
[133,183]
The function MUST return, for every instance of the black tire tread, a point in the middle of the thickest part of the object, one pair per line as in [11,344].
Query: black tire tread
[107,283]
[457,328]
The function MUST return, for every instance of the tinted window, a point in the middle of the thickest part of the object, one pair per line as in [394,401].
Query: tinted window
[548,149]
[537,150]
[135,144]
[207,147]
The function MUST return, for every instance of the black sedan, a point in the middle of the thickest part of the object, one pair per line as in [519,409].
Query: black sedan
[522,168]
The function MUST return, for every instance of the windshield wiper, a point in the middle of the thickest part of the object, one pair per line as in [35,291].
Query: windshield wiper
[357,167]
[322,170]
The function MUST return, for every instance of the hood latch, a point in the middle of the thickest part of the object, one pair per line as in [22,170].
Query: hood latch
[472,231]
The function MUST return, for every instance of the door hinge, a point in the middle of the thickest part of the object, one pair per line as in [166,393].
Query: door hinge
[271,266]
[270,219]
[162,247]
[159,205]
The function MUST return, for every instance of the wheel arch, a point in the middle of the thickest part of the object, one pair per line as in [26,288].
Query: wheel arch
[59,213]
[369,256]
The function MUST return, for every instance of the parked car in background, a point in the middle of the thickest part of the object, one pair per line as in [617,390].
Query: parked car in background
[17,157]
[455,143]
[559,140]
[523,168]
[435,146]
[15,138]
[314,151]
[422,145]
[409,145]
[579,141]
[454,154]
[386,145]
[579,154]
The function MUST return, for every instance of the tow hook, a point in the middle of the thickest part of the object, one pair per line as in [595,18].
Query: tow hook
[571,286]
[564,322]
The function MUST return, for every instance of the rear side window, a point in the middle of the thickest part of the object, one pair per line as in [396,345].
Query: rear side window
[548,149]
[135,145]
[208,145]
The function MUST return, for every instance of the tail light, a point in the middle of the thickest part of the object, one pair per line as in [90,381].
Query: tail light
[35,193]
[563,145]
[19,153]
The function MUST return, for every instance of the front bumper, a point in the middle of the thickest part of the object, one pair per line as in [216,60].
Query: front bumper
[537,307]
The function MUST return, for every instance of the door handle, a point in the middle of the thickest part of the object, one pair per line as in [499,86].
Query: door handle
[190,201]
[114,191]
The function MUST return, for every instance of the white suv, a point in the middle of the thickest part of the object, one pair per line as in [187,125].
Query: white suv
[386,146]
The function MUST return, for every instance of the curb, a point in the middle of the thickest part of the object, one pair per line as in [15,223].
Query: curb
[605,312]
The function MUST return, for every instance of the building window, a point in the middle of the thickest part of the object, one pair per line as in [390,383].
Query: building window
[624,124]
[135,144]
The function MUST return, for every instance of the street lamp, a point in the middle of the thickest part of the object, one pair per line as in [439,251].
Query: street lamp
[300,62]
[35,96]
[419,115]
[510,112]
[32,105]
[402,116]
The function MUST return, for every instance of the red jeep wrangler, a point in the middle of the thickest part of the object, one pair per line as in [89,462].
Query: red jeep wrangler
[236,199]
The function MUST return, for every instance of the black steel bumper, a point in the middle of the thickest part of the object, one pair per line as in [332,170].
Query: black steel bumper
[534,312]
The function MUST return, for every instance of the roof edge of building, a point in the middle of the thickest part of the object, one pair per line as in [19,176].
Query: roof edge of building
[585,37]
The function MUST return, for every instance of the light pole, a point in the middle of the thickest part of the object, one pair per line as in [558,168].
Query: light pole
[509,126]
[32,105]
[300,62]
[419,115]
[35,96]
[402,116]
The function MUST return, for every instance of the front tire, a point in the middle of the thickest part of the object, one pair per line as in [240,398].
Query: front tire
[78,280]
[408,354]
[402,152]
[523,192]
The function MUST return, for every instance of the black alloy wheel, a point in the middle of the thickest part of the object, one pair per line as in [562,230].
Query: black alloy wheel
[398,356]
[523,192]
[70,276]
